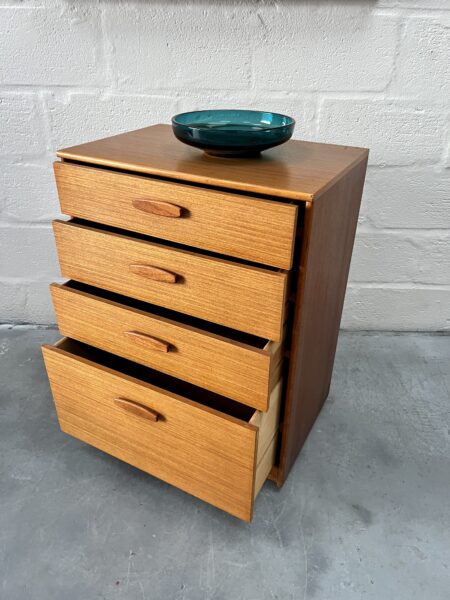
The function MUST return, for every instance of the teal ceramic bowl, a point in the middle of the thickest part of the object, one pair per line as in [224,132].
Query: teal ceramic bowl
[232,132]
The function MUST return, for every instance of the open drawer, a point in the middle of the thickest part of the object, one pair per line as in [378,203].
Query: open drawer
[226,361]
[212,447]
[227,292]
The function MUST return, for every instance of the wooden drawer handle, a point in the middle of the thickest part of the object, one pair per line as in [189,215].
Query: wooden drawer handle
[154,273]
[156,207]
[148,341]
[137,409]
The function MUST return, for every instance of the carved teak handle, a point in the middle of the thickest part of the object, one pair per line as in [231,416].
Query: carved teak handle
[154,273]
[156,207]
[143,339]
[137,409]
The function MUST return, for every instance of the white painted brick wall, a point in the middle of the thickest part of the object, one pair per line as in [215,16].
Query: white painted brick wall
[74,116]
[181,45]
[28,253]
[375,74]
[398,132]
[22,130]
[405,258]
[324,46]
[52,46]
[407,198]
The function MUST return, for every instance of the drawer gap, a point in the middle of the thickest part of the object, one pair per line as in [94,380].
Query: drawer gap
[159,379]
[226,332]
[170,244]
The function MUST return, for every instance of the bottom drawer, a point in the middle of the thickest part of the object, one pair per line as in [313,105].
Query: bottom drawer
[212,447]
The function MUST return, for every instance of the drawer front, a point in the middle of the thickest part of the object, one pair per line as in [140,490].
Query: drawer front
[242,297]
[196,448]
[254,229]
[227,367]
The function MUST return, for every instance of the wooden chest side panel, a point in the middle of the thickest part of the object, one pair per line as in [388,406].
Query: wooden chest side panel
[330,226]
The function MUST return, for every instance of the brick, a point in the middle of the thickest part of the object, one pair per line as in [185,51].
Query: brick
[58,45]
[12,302]
[27,193]
[397,132]
[397,309]
[78,117]
[26,303]
[306,47]
[423,64]
[399,258]
[39,306]
[21,127]
[407,198]
[446,156]
[423,4]
[28,253]
[181,46]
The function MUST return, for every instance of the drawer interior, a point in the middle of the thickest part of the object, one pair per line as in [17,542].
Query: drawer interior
[220,330]
[161,380]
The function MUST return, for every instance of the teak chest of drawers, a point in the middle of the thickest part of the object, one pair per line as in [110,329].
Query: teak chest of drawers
[203,304]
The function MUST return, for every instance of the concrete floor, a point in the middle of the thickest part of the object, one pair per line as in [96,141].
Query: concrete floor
[365,513]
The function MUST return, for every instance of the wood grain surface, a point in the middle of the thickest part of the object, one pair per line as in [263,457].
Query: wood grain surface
[237,370]
[297,170]
[200,450]
[239,296]
[267,422]
[255,229]
[147,182]
[264,467]
[330,225]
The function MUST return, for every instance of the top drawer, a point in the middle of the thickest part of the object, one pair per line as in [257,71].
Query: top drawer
[254,229]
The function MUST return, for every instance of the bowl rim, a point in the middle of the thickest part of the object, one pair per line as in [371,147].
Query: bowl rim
[191,112]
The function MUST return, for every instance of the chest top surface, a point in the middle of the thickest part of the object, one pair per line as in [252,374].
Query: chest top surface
[296,170]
